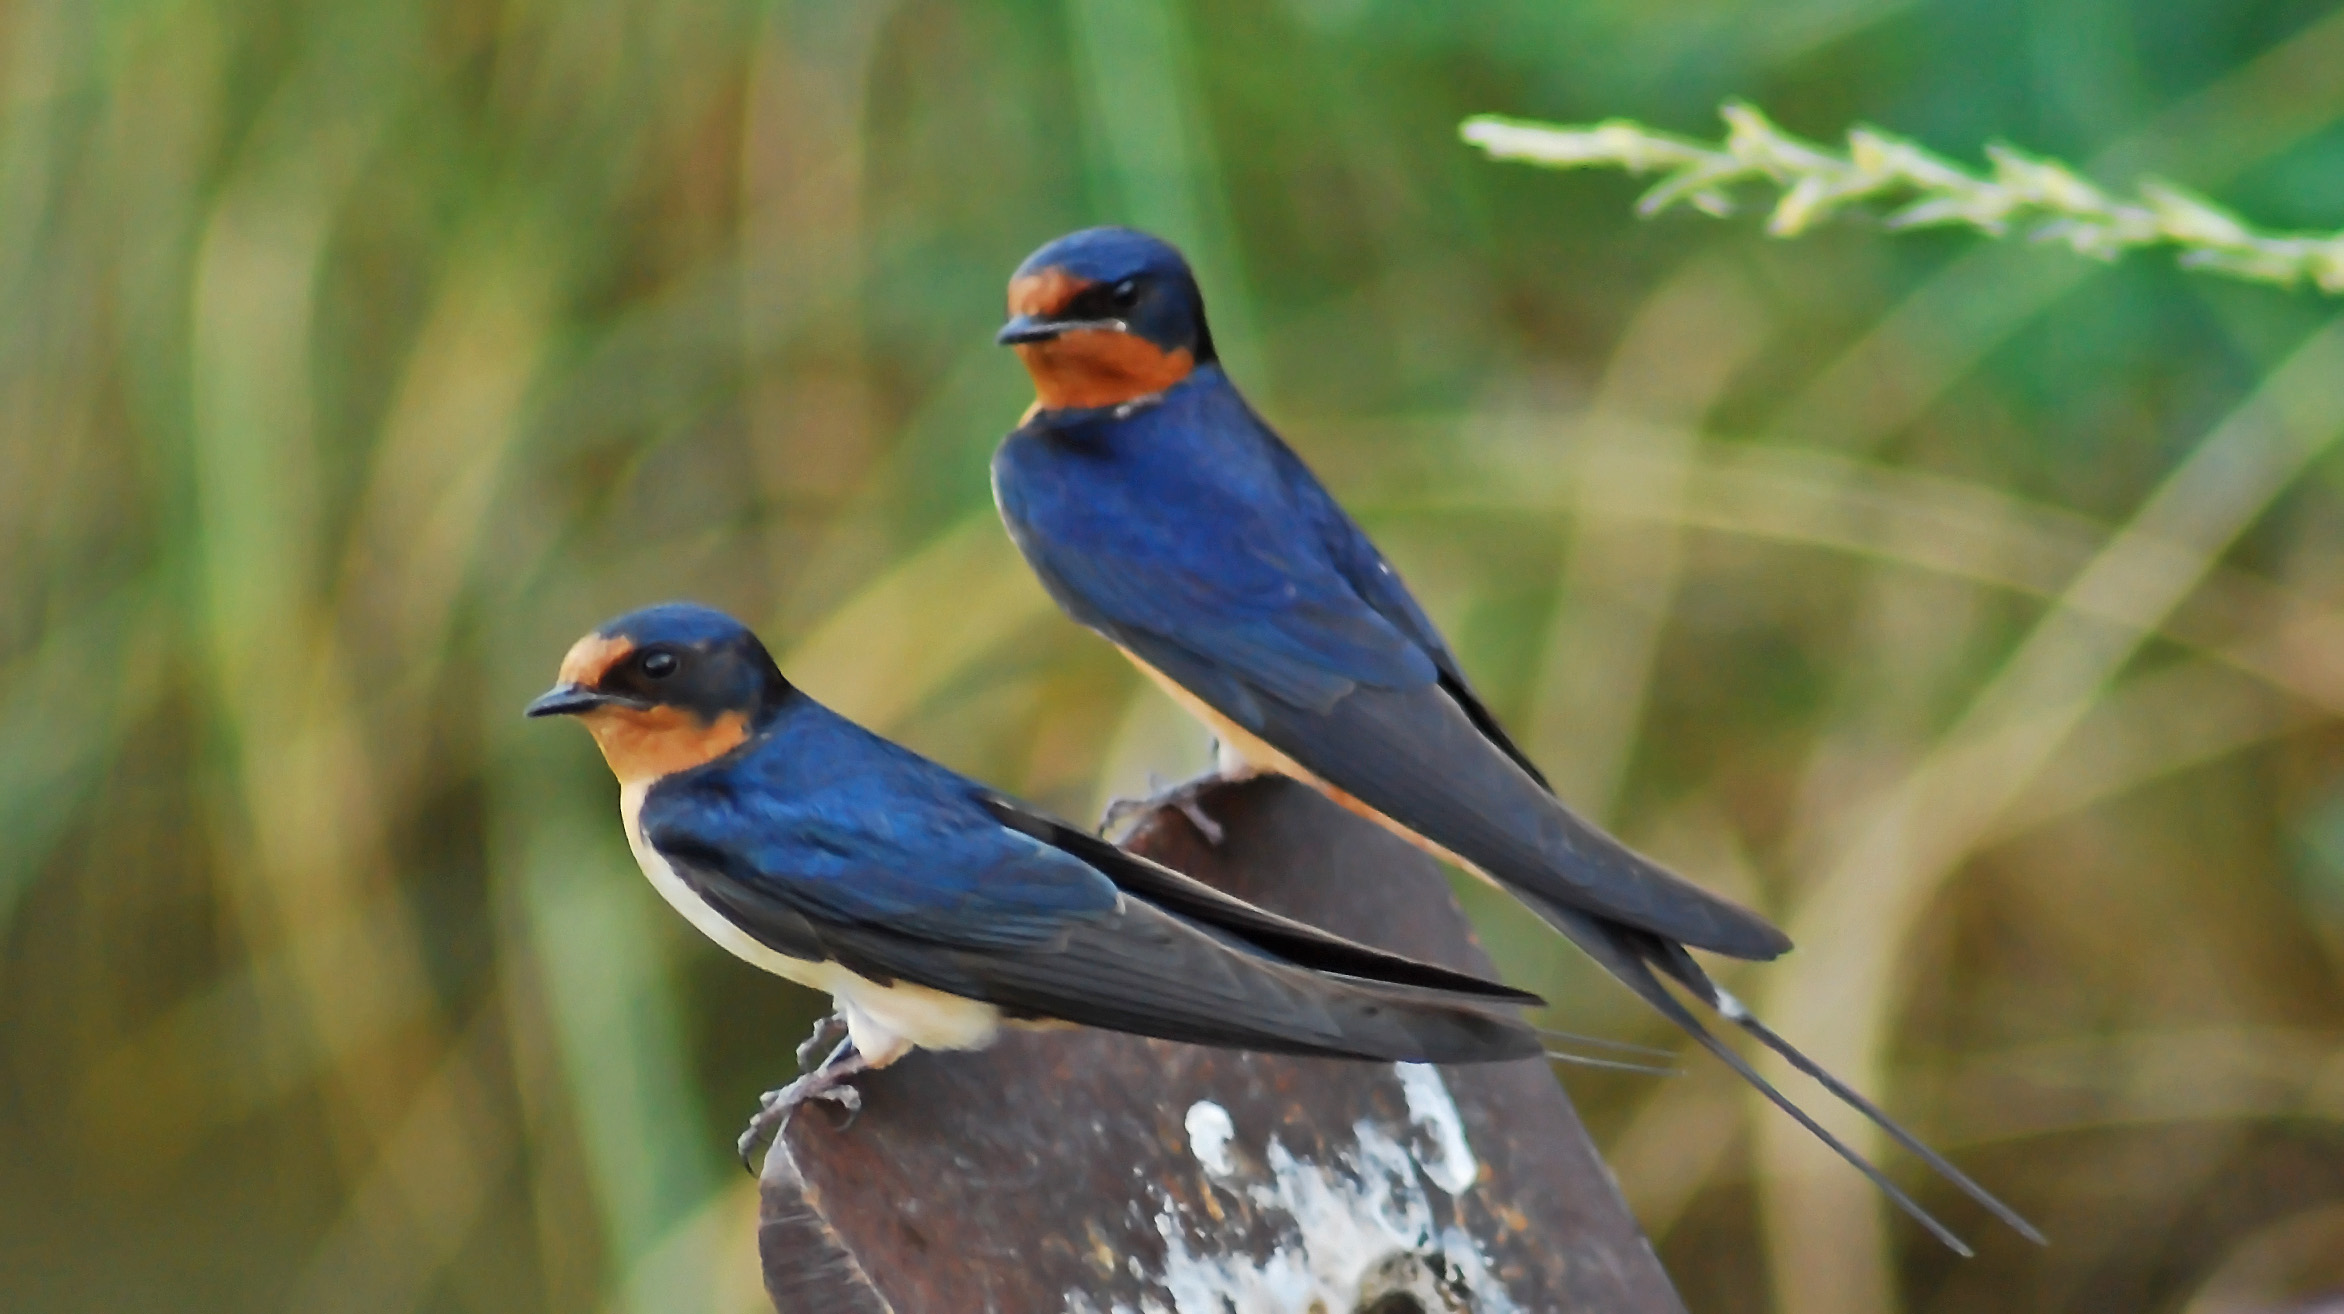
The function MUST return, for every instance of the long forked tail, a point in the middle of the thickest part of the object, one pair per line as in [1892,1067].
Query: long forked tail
[1631,955]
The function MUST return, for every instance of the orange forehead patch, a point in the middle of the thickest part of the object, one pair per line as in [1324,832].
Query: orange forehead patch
[646,744]
[1098,367]
[1045,293]
[591,658]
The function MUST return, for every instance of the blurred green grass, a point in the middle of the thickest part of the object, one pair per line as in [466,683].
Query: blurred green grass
[1976,610]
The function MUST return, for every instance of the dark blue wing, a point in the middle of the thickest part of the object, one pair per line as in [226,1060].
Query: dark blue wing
[826,842]
[1191,535]
[1215,548]
[1194,901]
[873,837]
[1203,549]
[1380,588]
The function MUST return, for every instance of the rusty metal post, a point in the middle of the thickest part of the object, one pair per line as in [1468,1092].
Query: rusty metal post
[1091,1173]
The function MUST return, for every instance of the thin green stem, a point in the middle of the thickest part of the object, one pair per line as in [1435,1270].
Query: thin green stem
[2023,193]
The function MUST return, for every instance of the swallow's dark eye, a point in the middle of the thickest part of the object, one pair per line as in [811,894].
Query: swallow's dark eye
[1126,293]
[659,664]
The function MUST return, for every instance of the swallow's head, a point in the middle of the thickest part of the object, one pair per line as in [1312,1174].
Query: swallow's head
[666,689]
[1106,315]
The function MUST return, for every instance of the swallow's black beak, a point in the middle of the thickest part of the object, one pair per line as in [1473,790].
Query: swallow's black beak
[569,698]
[1027,328]
[1041,328]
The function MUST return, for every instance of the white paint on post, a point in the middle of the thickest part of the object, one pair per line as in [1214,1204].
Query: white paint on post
[1209,1134]
[1453,1168]
[1356,1227]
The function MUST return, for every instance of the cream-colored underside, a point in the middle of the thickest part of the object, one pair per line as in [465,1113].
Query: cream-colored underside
[886,1021]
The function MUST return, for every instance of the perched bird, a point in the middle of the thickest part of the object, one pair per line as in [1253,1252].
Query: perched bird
[1160,511]
[934,910]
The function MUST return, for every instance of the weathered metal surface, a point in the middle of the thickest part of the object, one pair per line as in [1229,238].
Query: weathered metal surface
[1081,1171]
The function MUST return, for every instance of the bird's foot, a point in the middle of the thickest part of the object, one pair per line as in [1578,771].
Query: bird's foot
[827,1033]
[1184,798]
[827,1082]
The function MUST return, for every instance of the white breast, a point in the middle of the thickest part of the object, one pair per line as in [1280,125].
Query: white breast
[886,1021]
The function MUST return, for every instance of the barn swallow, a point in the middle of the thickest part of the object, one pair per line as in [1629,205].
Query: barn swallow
[1161,511]
[934,910]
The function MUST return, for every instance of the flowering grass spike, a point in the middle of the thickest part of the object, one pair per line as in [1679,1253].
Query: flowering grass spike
[2042,198]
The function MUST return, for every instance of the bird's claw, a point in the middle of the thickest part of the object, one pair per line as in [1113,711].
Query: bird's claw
[847,1098]
[826,1081]
[811,1051]
[1205,825]
[775,1107]
[1183,798]
[763,1127]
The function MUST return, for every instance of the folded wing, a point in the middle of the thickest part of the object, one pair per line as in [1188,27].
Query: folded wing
[898,875]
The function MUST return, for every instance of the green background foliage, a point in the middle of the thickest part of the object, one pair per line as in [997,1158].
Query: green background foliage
[1974,609]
